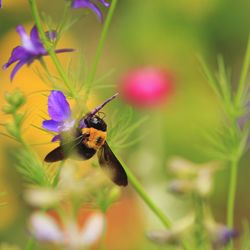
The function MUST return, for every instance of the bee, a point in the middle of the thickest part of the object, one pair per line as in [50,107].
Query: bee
[84,141]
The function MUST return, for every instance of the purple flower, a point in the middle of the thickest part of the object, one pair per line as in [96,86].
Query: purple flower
[52,35]
[220,234]
[224,235]
[0,3]
[60,113]
[90,5]
[31,49]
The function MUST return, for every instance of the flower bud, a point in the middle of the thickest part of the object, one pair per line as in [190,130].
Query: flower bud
[15,99]
[204,182]
[182,167]
[7,109]
[43,197]
[51,35]
[220,234]
[163,237]
[180,186]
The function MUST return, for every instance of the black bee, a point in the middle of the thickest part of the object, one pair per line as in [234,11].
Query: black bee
[87,139]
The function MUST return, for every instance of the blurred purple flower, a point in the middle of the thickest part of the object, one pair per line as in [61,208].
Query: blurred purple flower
[0,3]
[31,49]
[224,235]
[60,113]
[90,5]
[52,35]
[220,234]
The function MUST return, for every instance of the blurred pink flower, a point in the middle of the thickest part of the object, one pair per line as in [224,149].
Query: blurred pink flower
[146,87]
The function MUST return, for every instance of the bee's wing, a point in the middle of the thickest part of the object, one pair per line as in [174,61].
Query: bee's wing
[112,166]
[56,154]
[62,152]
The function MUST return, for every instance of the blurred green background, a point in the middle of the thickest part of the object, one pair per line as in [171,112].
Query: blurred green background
[169,34]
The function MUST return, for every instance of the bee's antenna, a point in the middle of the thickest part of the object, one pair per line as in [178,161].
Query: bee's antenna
[93,112]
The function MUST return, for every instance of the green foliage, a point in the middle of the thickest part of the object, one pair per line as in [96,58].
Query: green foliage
[122,128]
[31,168]
[27,163]
[229,141]
[15,101]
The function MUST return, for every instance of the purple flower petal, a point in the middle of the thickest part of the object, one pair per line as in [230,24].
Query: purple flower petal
[17,54]
[88,4]
[96,10]
[80,4]
[82,124]
[34,35]
[16,68]
[36,41]
[26,41]
[0,3]
[56,138]
[106,4]
[64,50]
[225,235]
[58,107]
[51,125]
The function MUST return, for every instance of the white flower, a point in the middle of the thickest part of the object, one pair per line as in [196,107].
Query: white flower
[46,229]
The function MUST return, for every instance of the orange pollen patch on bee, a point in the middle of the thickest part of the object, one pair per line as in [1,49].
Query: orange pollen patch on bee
[94,138]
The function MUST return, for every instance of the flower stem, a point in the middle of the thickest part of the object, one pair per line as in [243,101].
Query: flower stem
[146,198]
[231,196]
[199,221]
[48,47]
[99,50]
[30,244]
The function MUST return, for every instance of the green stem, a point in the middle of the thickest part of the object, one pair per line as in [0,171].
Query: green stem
[99,50]
[49,48]
[199,221]
[30,244]
[231,196]
[146,198]
[243,76]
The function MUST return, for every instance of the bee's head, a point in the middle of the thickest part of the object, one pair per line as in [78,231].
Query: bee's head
[96,122]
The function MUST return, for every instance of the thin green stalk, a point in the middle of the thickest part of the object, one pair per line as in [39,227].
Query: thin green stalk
[243,76]
[30,244]
[199,221]
[231,196]
[146,198]
[48,47]
[99,50]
